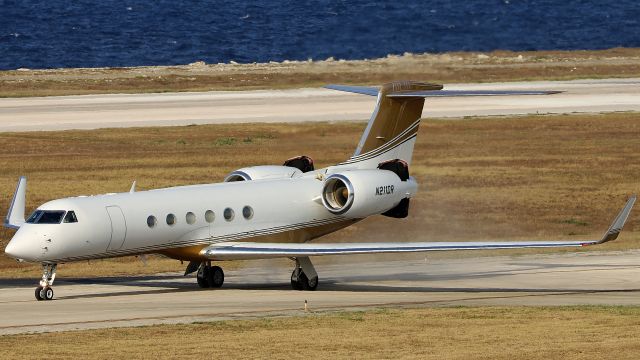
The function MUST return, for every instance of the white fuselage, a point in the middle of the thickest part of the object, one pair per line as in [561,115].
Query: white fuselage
[119,224]
[116,224]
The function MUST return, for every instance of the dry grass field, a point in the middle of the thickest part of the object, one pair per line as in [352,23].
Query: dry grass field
[435,333]
[439,68]
[539,177]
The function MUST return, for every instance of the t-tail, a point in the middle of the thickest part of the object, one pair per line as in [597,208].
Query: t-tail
[391,132]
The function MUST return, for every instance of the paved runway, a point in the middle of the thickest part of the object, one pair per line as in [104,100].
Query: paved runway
[218,107]
[263,289]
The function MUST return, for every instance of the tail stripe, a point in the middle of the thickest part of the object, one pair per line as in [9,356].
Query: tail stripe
[352,161]
[411,130]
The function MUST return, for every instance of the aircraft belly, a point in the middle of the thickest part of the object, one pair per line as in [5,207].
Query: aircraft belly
[192,252]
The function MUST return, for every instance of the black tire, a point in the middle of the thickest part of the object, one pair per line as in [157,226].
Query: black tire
[38,293]
[216,277]
[310,284]
[202,277]
[303,281]
[48,293]
[295,283]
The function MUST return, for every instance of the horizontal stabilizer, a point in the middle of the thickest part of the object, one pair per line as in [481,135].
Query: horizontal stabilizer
[373,91]
[364,90]
[255,250]
[451,93]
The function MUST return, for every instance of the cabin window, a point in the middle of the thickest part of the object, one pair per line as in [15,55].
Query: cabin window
[171,219]
[247,212]
[191,218]
[70,217]
[46,217]
[209,216]
[228,214]
[152,221]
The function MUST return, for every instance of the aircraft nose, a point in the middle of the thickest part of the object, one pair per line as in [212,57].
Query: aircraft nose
[19,248]
[13,249]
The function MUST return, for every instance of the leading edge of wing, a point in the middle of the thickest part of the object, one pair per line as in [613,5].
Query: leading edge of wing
[256,250]
[364,90]
[453,93]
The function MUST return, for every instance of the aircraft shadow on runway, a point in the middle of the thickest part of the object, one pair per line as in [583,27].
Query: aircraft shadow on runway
[163,284]
[330,286]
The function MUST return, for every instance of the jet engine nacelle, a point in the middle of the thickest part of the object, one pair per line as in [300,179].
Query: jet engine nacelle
[263,172]
[361,193]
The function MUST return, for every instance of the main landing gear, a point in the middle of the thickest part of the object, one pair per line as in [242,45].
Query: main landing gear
[45,291]
[304,275]
[210,276]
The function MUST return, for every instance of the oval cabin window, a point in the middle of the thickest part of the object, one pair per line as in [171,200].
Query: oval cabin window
[247,212]
[228,214]
[191,218]
[209,216]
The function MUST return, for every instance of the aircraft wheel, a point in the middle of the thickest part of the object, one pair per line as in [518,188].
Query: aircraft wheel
[295,281]
[48,293]
[310,284]
[303,281]
[202,277]
[39,293]
[216,277]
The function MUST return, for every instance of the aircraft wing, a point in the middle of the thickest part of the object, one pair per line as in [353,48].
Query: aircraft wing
[256,250]
[373,91]
[15,215]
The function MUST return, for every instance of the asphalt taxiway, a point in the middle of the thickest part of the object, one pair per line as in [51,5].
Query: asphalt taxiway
[347,284]
[300,105]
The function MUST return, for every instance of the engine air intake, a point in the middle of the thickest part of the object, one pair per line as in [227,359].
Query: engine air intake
[337,194]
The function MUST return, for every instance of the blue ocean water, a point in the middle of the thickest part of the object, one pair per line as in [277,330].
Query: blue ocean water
[83,33]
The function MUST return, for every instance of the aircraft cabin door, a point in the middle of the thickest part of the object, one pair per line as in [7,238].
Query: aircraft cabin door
[118,227]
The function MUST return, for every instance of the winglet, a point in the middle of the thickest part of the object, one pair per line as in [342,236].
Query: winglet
[15,216]
[615,228]
[133,187]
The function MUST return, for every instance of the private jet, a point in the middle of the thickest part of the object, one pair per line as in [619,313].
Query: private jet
[246,216]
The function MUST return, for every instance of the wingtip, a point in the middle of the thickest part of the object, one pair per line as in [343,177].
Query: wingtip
[618,223]
[15,214]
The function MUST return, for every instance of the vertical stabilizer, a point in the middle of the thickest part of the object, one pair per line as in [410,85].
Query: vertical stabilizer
[392,129]
[392,116]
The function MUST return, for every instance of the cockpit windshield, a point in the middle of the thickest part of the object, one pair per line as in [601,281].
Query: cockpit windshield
[46,217]
[70,217]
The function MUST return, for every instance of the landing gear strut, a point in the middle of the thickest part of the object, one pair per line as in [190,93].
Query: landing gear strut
[45,291]
[304,275]
[210,276]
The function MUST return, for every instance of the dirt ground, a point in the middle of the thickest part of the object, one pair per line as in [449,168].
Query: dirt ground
[439,68]
[529,177]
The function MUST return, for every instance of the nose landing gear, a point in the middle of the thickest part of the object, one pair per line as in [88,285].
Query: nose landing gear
[45,291]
